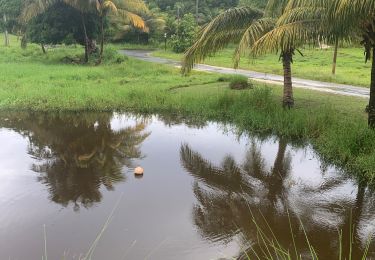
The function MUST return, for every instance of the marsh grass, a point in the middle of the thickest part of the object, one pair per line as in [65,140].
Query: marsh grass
[269,247]
[335,125]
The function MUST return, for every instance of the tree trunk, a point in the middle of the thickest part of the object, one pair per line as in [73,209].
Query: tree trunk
[102,37]
[288,101]
[335,57]
[24,41]
[371,106]
[6,36]
[197,10]
[86,38]
[43,48]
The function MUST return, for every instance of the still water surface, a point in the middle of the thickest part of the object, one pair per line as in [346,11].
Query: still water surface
[202,184]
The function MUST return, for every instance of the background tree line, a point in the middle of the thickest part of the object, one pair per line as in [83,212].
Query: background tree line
[60,22]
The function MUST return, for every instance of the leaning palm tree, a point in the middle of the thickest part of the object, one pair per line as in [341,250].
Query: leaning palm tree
[255,34]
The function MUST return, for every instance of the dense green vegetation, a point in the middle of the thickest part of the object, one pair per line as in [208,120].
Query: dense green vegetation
[284,27]
[335,125]
[315,64]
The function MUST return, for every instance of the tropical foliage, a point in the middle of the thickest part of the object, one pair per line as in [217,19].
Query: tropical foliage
[185,31]
[285,26]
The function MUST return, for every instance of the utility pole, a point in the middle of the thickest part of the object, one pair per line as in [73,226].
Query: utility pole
[165,41]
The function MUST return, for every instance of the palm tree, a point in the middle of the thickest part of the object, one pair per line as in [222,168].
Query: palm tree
[340,17]
[254,34]
[360,13]
[84,6]
[126,9]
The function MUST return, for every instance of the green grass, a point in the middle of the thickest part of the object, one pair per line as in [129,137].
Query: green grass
[335,125]
[316,64]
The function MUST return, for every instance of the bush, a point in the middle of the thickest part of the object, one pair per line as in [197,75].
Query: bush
[237,82]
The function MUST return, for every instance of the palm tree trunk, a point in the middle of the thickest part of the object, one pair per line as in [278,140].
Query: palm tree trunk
[86,38]
[335,57]
[288,101]
[371,106]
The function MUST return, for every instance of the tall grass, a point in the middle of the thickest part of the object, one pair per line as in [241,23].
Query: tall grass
[269,247]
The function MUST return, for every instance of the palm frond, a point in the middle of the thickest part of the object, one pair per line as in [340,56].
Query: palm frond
[286,37]
[226,28]
[256,30]
[33,8]
[133,19]
[109,6]
[134,6]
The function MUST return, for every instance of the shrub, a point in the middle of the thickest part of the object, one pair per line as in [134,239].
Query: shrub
[238,82]
[185,34]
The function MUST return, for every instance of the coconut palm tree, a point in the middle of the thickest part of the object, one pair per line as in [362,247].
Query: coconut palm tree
[360,13]
[255,34]
[341,17]
[83,6]
[127,10]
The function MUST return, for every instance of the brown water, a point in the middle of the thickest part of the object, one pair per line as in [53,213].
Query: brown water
[202,182]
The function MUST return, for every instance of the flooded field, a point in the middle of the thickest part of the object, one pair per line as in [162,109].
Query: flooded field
[63,176]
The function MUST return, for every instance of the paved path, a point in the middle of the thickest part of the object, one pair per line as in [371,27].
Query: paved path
[340,89]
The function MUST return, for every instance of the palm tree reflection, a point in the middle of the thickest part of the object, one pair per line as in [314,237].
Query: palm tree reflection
[231,195]
[78,154]
[229,188]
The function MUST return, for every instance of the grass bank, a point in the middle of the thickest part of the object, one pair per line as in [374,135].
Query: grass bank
[335,125]
[315,64]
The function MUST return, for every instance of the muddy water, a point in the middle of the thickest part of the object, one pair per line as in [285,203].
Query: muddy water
[66,173]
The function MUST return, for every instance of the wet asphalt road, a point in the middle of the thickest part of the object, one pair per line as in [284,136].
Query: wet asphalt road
[340,89]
